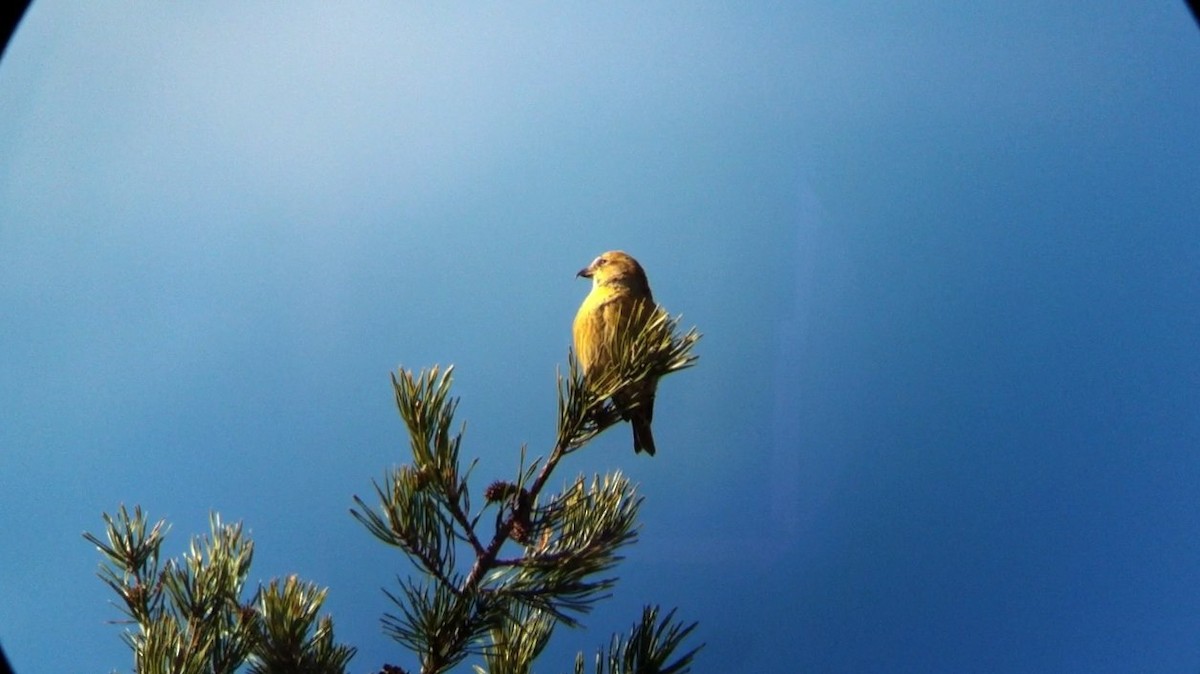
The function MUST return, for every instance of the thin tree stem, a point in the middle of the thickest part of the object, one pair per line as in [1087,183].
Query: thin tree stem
[487,561]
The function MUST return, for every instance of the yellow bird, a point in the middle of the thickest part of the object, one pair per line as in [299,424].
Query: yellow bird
[620,292]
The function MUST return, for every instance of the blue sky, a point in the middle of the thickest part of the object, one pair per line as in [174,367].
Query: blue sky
[946,261]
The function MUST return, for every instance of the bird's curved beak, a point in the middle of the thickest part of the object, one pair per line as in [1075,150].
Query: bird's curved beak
[586,272]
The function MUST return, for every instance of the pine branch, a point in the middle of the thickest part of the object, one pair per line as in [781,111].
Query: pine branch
[518,641]
[650,644]
[132,554]
[568,543]
[188,615]
[574,538]
[294,638]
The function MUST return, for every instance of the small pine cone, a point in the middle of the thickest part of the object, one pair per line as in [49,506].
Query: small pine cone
[497,491]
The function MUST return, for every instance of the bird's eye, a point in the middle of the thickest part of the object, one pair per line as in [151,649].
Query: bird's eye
[601,261]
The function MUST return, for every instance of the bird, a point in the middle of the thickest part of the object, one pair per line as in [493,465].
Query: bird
[619,302]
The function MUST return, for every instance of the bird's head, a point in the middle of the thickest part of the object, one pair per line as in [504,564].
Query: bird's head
[616,268]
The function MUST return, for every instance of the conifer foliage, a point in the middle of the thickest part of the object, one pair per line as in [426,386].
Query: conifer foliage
[493,574]
[188,616]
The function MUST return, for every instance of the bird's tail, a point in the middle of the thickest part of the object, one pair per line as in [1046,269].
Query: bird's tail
[643,439]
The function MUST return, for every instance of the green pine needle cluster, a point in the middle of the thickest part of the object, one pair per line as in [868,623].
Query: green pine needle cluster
[188,617]
[649,646]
